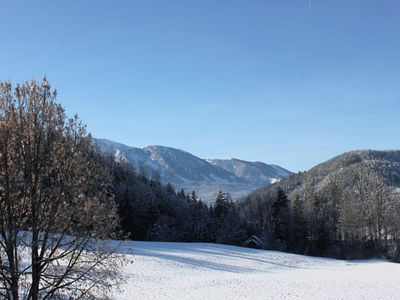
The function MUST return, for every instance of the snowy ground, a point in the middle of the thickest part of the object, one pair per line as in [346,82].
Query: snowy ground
[209,271]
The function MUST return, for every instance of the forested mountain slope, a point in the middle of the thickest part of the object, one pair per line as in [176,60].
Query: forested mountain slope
[348,206]
[385,164]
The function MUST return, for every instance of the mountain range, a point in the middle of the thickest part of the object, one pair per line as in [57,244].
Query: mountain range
[187,171]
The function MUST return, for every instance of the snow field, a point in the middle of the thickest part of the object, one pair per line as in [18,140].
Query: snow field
[209,271]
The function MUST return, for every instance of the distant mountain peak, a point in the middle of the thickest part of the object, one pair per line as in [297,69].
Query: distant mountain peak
[205,176]
[258,173]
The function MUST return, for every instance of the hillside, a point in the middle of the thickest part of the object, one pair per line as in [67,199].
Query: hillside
[385,164]
[346,207]
[190,172]
[210,271]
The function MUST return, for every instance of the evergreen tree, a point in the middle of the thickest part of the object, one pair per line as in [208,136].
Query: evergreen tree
[194,196]
[298,232]
[281,217]
[221,204]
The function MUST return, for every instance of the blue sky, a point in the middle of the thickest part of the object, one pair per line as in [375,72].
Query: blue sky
[277,81]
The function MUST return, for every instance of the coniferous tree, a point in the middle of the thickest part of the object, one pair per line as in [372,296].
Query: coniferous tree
[298,232]
[281,217]
[221,205]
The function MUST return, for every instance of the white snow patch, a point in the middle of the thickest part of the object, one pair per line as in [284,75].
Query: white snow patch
[273,180]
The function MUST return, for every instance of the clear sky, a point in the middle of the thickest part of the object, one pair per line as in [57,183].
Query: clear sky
[290,82]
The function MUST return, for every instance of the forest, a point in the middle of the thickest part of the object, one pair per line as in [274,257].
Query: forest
[350,216]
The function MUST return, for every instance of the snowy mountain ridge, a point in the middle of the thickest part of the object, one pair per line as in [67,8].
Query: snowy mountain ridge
[255,172]
[184,170]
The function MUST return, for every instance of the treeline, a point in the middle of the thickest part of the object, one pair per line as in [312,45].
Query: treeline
[152,211]
[355,215]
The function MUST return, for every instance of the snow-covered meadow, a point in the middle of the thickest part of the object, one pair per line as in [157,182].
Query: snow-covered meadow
[210,271]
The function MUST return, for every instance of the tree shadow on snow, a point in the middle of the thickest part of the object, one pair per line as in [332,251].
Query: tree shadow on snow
[173,252]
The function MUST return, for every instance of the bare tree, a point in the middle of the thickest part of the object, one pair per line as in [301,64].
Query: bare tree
[393,224]
[372,194]
[56,208]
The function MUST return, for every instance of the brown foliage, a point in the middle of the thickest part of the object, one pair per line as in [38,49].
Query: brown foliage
[55,202]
